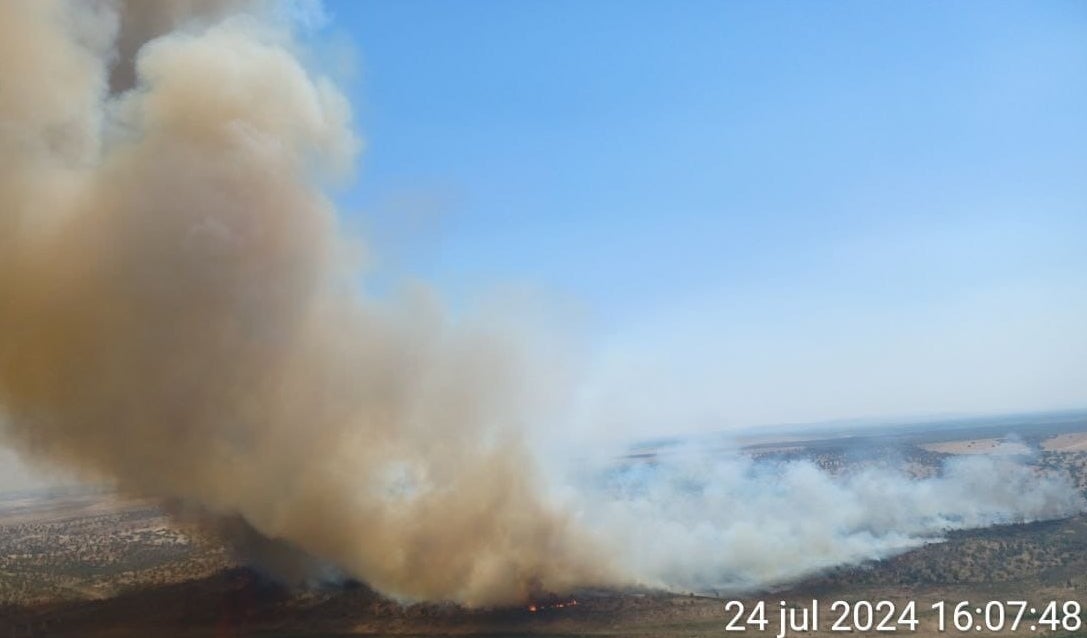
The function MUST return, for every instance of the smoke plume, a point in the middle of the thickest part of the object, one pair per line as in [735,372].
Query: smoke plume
[179,315]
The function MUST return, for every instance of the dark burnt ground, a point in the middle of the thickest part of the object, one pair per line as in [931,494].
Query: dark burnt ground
[1043,561]
[238,601]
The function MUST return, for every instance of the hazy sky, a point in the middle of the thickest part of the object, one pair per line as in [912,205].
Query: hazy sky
[762,211]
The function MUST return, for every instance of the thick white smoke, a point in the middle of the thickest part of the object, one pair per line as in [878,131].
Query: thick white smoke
[178,314]
[731,523]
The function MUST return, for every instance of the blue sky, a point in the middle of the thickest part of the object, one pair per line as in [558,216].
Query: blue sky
[759,211]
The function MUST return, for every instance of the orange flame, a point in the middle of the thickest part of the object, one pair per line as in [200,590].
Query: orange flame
[542,606]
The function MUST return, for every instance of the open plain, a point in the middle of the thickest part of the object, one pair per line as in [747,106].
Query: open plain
[93,564]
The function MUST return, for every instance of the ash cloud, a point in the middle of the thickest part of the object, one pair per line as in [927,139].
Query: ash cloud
[178,314]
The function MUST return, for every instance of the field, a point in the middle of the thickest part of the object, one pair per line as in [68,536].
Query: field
[90,564]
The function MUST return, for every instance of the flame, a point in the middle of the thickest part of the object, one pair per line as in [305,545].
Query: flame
[535,607]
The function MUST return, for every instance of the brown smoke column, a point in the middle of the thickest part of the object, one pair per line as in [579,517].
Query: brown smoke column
[177,312]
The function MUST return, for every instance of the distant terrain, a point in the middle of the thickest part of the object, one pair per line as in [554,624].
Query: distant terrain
[87,563]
